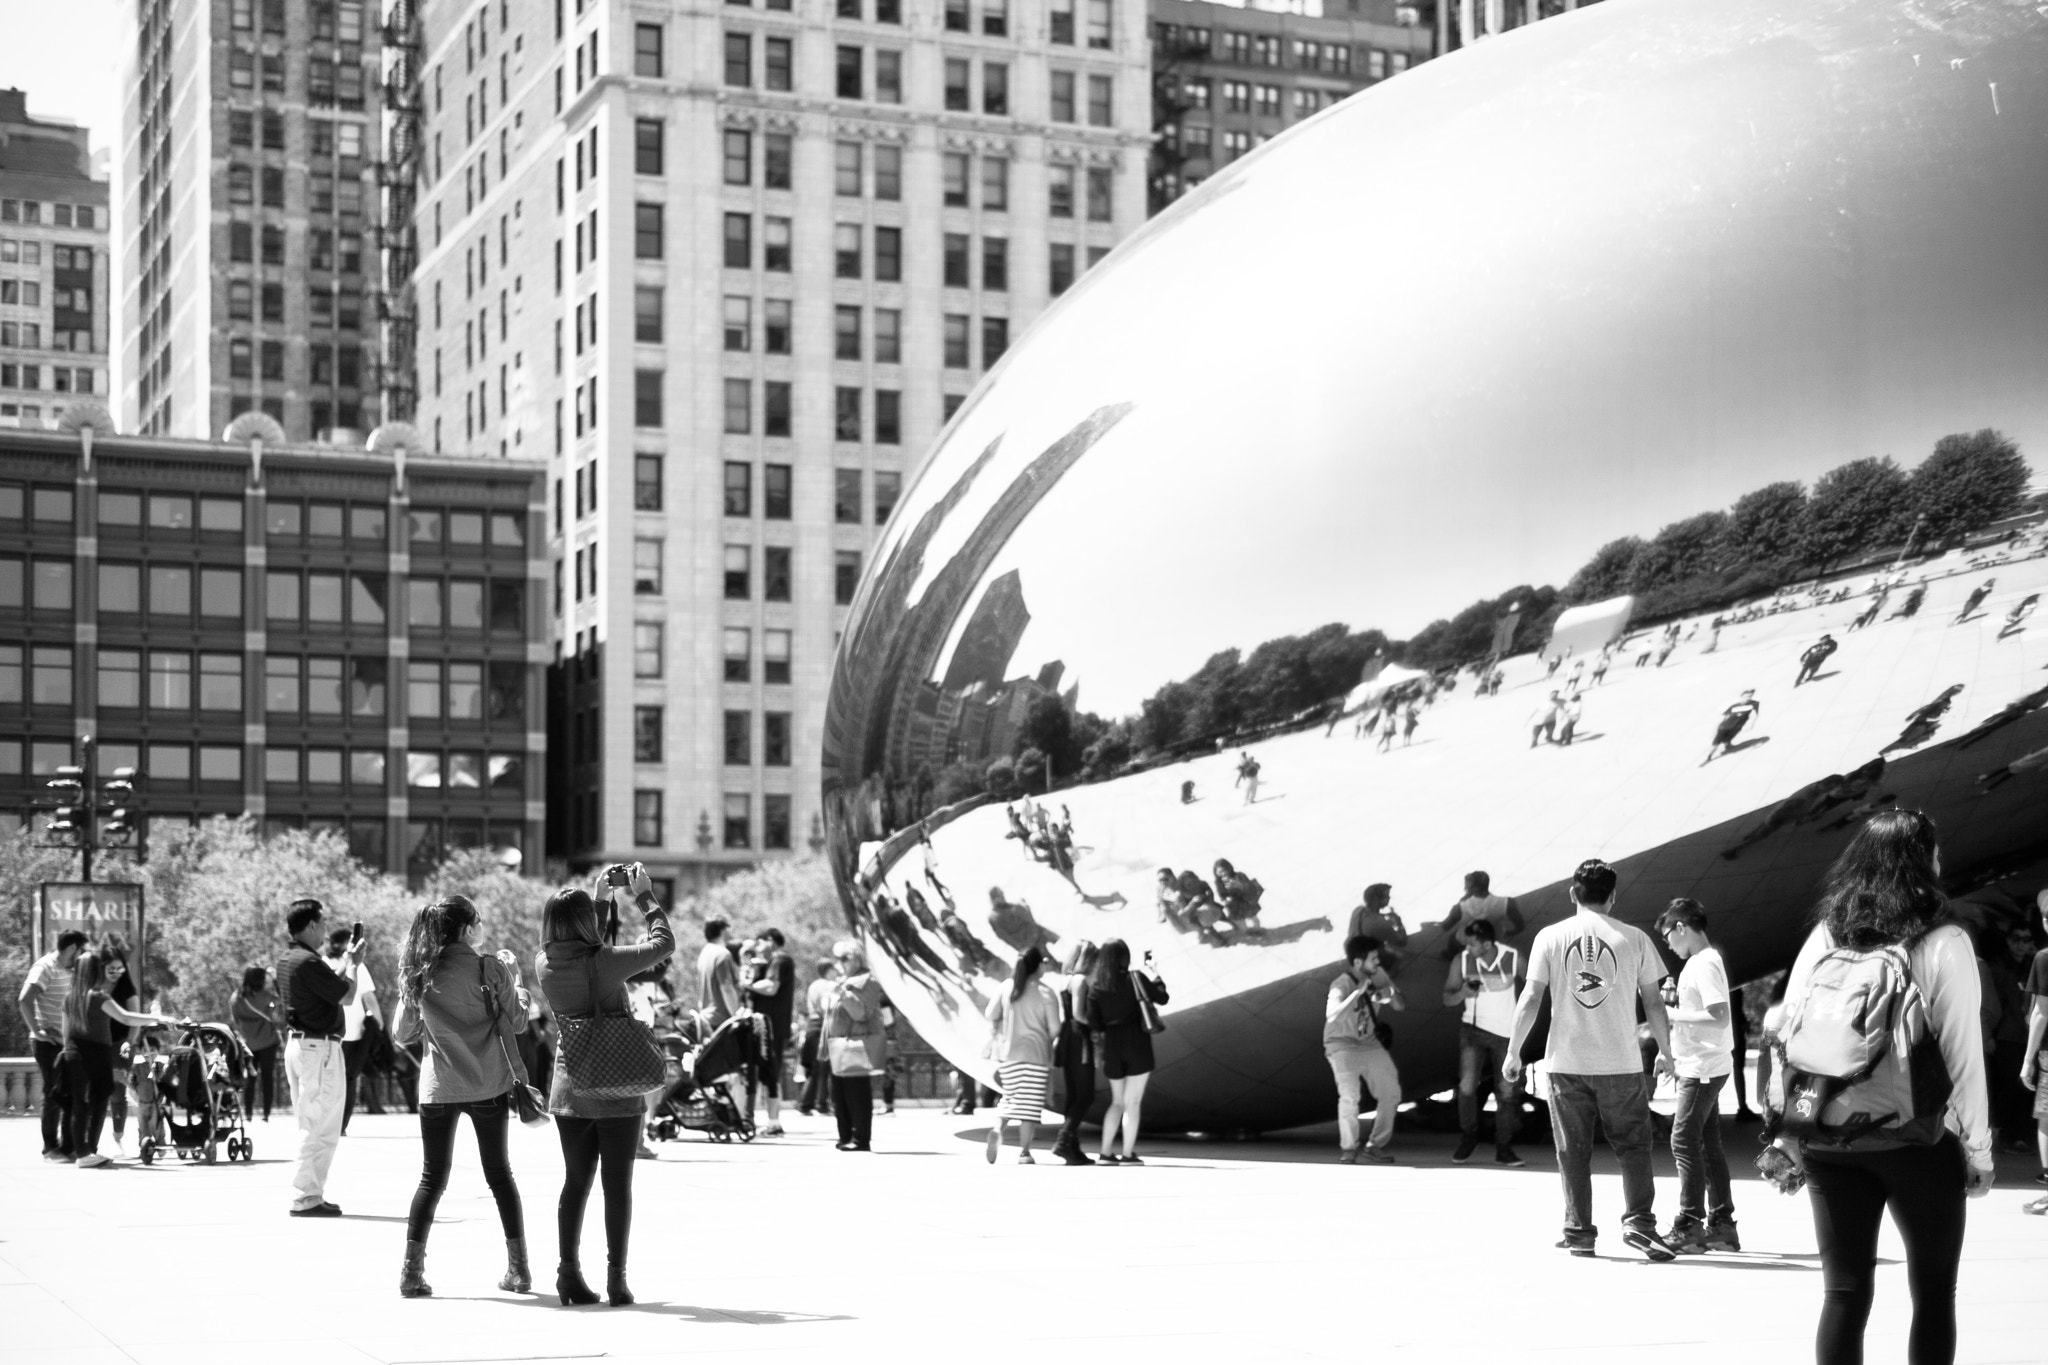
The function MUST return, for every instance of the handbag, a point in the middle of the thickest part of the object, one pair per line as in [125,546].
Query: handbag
[525,1100]
[609,1056]
[849,1057]
[1148,1013]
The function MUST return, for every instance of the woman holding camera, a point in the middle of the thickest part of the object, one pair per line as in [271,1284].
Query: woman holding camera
[583,971]
[462,1006]
[1111,1002]
[1885,890]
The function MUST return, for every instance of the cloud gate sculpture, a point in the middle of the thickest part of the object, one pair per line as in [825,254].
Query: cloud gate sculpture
[1454,335]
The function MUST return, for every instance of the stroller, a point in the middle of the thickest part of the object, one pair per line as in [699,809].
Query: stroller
[698,1097]
[191,1096]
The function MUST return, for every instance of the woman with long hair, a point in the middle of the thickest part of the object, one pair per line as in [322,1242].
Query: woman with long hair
[1024,1020]
[90,1014]
[582,971]
[817,1096]
[1111,1002]
[461,1006]
[1885,890]
[257,1017]
[123,988]
[1075,1052]
[855,1015]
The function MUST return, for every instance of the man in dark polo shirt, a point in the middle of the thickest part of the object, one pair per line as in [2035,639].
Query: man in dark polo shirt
[314,994]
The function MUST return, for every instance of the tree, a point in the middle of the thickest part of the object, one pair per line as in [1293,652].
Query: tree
[1108,753]
[1049,727]
[1000,780]
[1684,549]
[1971,480]
[1031,773]
[795,895]
[1765,524]
[1606,574]
[957,782]
[1857,506]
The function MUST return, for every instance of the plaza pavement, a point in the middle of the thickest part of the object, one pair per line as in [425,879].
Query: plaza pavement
[790,1251]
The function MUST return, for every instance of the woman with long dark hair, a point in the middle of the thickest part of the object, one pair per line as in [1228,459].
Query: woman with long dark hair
[583,971]
[1076,1052]
[1024,1019]
[461,1006]
[1111,1002]
[257,1017]
[1884,891]
[89,1016]
[124,989]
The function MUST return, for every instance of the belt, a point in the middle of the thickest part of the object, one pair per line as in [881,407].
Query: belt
[321,1037]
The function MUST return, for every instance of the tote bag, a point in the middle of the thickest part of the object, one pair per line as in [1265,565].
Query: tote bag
[609,1056]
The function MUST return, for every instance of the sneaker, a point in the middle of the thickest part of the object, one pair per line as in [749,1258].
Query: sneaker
[1133,1160]
[1576,1246]
[1467,1145]
[1646,1240]
[1687,1239]
[1375,1156]
[1109,1159]
[1507,1156]
[1347,1156]
[95,1159]
[2038,1206]
[995,1144]
[1722,1237]
[2041,1179]
[320,1210]
[65,1157]
[772,1130]
[1025,1159]
[645,1153]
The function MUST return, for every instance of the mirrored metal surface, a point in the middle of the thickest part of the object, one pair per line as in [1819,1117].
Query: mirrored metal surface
[1598,275]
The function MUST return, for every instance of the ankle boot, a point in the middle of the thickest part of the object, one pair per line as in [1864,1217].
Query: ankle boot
[615,1286]
[569,1286]
[518,1278]
[412,1282]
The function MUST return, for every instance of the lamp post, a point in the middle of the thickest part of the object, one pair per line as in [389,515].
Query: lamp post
[76,798]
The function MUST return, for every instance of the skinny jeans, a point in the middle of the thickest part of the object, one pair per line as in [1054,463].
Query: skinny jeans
[1850,1191]
[587,1146]
[262,1076]
[57,1132]
[437,1136]
[89,1078]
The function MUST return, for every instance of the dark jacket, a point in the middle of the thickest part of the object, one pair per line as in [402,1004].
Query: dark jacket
[567,972]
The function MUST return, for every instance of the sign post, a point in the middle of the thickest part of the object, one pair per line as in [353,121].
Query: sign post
[96,908]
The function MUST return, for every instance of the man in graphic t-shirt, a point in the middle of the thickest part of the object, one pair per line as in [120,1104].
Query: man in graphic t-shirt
[1597,968]
[1703,1055]
[1482,982]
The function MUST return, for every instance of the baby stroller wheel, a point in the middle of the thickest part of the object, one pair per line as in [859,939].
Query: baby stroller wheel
[148,1151]
[718,1134]
[747,1133]
[234,1149]
[248,1150]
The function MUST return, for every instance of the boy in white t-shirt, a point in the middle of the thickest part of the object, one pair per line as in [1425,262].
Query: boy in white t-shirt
[1703,1056]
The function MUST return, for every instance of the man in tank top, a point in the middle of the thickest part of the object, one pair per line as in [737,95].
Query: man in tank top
[1481,984]
[1479,902]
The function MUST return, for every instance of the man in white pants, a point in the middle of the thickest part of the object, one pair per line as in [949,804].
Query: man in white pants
[314,996]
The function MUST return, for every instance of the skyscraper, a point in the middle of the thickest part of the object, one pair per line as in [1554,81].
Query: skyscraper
[245,213]
[53,267]
[730,268]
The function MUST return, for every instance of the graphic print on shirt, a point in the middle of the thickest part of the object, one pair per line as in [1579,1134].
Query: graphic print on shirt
[1591,967]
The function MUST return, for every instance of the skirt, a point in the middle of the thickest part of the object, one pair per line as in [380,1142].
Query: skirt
[1023,1085]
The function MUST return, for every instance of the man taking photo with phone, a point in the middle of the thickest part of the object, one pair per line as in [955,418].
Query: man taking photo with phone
[315,996]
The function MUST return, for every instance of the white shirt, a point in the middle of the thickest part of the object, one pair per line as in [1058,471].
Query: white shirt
[1700,1051]
[1493,1009]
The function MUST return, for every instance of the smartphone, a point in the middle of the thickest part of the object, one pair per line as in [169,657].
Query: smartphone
[356,932]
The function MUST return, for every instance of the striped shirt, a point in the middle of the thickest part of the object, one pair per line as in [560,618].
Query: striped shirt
[55,981]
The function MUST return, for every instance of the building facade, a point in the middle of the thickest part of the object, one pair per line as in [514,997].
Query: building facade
[729,268]
[54,267]
[1227,78]
[1460,22]
[246,217]
[323,638]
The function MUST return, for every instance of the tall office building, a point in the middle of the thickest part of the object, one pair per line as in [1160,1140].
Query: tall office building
[1462,22]
[1228,77]
[729,268]
[53,267]
[245,212]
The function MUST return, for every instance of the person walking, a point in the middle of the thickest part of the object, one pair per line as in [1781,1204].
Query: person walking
[1355,1044]
[1024,1020]
[256,1016]
[1481,984]
[355,1017]
[314,995]
[1074,1053]
[856,1047]
[1974,600]
[1738,714]
[1813,658]
[41,1004]
[1884,894]
[1599,968]
[1703,1057]
[89,1016]
[1543,721]
[817,1093]
[1111,1001]
[462,1007]
[583,972]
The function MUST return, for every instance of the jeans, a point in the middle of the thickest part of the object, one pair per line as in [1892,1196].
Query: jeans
[853,1105]
[58,1135]
[1621,1105]
[262,1075]
[817,1096]
[1479,1057]
[89,1079]
[314,1070]
[587,1144]
[1703,1193]
[437,1137]
[1850,1191]
[1374,1069]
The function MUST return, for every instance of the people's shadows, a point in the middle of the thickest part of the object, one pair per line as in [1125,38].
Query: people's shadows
[1745,744]
[1589,737]
[1823,677]
[744,1317]
[1288,933]
[1115,899]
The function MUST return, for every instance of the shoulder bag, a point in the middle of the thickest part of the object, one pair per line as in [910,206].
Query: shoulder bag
[849,1056]
[525,1100]
[1148,1013]
[609,1056]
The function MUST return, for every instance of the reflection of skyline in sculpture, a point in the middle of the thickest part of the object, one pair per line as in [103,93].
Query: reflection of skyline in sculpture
[1719,299]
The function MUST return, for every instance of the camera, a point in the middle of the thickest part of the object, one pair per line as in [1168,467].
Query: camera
[618,874]
[1473,983]
[1780,1170]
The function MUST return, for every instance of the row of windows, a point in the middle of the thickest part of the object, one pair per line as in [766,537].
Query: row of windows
[165,765]
[14,250]
[325,308]
[461,770]
[778,492]
[324,251]
[738,824]
[30,211]
[55,378]
[331,19]
[325,137]
[650,639]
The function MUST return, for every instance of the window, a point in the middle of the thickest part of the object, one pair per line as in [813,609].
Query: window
[647,300]
[281,686]
[1268,100]
[1236,142]
[995,183]
[647,232]
[739,488]
[1062,102]
[366,768]
[647,483]
[323,687]
[776,63]
[646,49]
[170,589]
[646,567]
[775,573]
[739,573]
[422,768]
[775,326]
[647,818]
[739,736]
[957,18]
[423,690]
[647,734]
[739,157]
[120,587]
[888,489]
[170,680]
[846,414]
[846,176]
[888,76]
[281,769]
[366,687]
[888,417]
[647,411]
[995,339]
[739,649]
[1100,190]
[847,74]
[846,331]
[1061,28]
[775,405]
[49,681]
[647,649]
[737,811]
[955,343]
[995,87]
[739,241]
[465,691]
[647,148]
[775,656]
[120,681]
[957,76]
[1059,190]
[465,604]
[775,746]
[1060,267]
[845,576]
[220,682]
[889,173]
[220,593]
[846,250]
[995,263]
[775,821]
[1101,112]
[739,406]
[953,178]
[775,492]
[777,155]
[739,60]
[846,496]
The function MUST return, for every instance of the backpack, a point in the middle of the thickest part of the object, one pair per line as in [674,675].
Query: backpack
[1856,1059]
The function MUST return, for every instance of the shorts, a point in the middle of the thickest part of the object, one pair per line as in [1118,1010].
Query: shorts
[2041,1087]
[1126,1051]
[1726,732]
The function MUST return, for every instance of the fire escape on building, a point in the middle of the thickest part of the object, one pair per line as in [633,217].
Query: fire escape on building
[397,240]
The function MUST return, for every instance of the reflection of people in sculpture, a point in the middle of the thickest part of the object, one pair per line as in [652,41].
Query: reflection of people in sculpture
[1921,725]
[1198,904]
[921,909]
[1377,917]
[1600,664]
[1248,776]
[1543,721]
[1478,903]
[1869,613]
[974,954]
[1239,893]
[1974,600]
[1816,654]
[2013,711]
[1018,832]
[1798,808]
[2016,619]
[1911,606]
[1014,923]
[1568,713]
[1731,723]
[2025,763]
[1389,723]
[1167,889]
[931,858]
[901,935]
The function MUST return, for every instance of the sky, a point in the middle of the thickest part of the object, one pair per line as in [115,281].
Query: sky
[63,56]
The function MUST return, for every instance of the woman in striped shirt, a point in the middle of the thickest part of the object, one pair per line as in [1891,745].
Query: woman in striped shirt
[1024,1020]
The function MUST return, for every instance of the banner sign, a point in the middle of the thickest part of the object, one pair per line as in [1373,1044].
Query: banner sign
[95,907]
